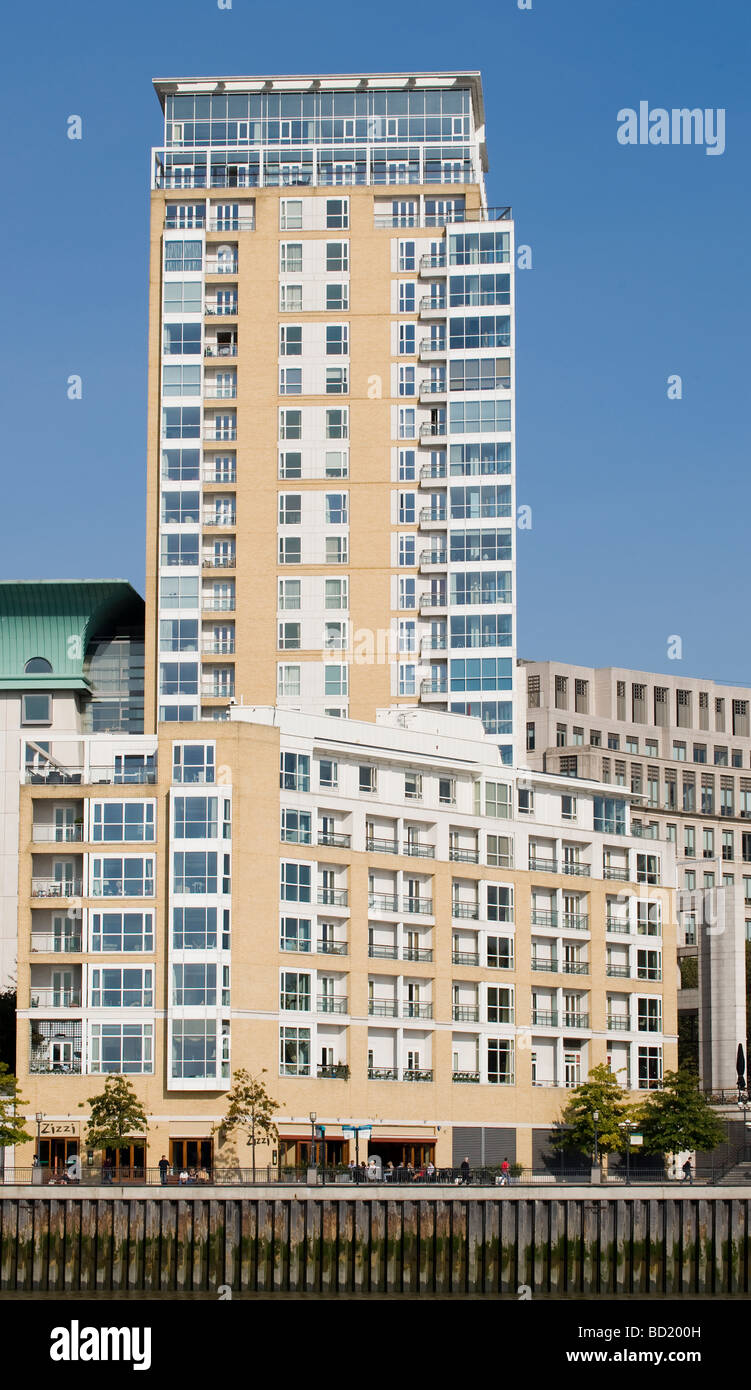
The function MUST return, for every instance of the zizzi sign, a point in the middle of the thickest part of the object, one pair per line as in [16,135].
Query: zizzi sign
[54,1128]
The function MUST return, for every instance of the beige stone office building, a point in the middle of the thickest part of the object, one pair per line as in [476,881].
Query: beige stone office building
[380,915]
[683,747]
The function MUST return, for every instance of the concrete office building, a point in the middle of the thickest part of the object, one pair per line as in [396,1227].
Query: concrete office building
[331,443]
[683,746]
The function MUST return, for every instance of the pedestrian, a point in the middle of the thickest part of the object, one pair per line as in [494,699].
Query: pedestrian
[505,1170]
[163,1169]
[183,1178]
[430,1171]
[688,1175]
[465,1171]
[390,1170]
[363,1172]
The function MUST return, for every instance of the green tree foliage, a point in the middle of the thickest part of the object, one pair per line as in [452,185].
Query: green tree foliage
[601,1092]
[250,1109]
[116,1115]
[11,1123]
[678,1117]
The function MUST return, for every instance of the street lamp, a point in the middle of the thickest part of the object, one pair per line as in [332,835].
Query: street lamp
[313,1146]
[595,1117]
[628,1125]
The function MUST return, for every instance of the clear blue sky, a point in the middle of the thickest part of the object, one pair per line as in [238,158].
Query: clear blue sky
[640,504]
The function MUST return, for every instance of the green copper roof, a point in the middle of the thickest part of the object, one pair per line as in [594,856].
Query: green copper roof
[56,619]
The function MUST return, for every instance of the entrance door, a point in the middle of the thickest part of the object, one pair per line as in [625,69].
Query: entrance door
[54,1153]
[191,1153]
[128,1159]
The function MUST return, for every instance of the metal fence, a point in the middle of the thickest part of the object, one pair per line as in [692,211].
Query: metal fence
[94,1176]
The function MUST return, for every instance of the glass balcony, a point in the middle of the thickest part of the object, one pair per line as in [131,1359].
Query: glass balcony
[331,1004]
[57,834]
[570,866]
[465,1013]
[215,266]
[421,906]
[468,910]
[337,841]
[383,1008]
[376,846]
[620,875]
[56,942]
[332,948]
[333,1071]
[544,866]
[383,952]
[52,888]
[464,856]
[545,1018]
[414,1009]
[55,998]
[465,957]
[618,972]
[333,897]
[383,902]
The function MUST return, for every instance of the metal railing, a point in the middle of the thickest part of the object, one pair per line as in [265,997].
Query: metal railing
[544,1019]
[570,866]
[417,851]
[376,846]
[332,948]
[55,998]
[383,902]
[56,834]
[377,952]
[333,897]
[544,963]
[618,972]
[617,1024]
[336,840]
[383,1008]
[465,957]
[471,911]
[545,866]
[616,924]
[331,1004]
[48,941]
[422,906]
[419,953]
[575,967]
[51,888]
[465,1013]
[464,856]
[415,1009]
[435,687]
[620,875]
[219,562]
[220,350]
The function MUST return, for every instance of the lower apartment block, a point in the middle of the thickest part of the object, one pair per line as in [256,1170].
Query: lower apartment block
[381,918]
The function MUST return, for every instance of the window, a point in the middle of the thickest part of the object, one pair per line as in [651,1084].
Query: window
[290,381]
[181,381]
[337,255]
[499,851]
[195,818]
[649,1066]
[288,681]
[337,296]
[610,815]
[501,952]
[290,214]
[407,339]
[407,678]
[183,297]
[407,471]
[294,1051]
[290,424]
[526,801]
[328,773]
[192,762]
[447,791]
[335,679]
[122,1047]
[648,919]
[290,298]
[122,931]
[500,1004]
[367,778]
[194,871]
[337,424]
[290,257]
[500,903]
[337,381]
[289,636]
[335,591]
[116,988]
[179,592]
[336,550]
[406,294]
[407,593]
[337,339]
[122,877]
[294,772]
[413,786]
[406,508]
[294,934]
[501,1061]
[337,212]
[406,381]
[194,985]
[181,465]
[407,551]
[36,709]
[649,1015]
[290,593]
[181,340]
[120,821]
[194,928]
[178,678]
[568,808]
[498,800]
[295,882]
[407,423]
[194,1047]
[294,991]
[648,965]
[178,634]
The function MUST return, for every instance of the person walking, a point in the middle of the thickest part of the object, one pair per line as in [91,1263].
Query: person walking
[688,1172]
[465,1171]
[505,1170]
[163,1170]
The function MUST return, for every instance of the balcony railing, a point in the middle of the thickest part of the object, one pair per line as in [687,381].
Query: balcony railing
[545,1018]
[575,921]
[51,941]
[215,436]
[433,557]
[417,1074]
[220,562]
[433,472]
[332,948]
[542,918]
[439,430]
[432,345]
[544,963]
[465,957]
[376,846]
[620,875]
[216,267]
[57,834]
[42,1066]
[220,393]
[464,856]
[616,924]
[618,1024]
[383,1074]
[437,387]
[333,838]
[544,866]
[52,888]
[466,1077]
[333,897]
[414,1009]
[220,310]
[231,224]
[570,866]
[575,967]
[383,1008]
[417,851]
[465,1013]
[383,952]
[422,953]
[331,1004]
[217,692]
[333,1071]
[55,998]
[618,972]
[225,604]
[430,514]
[383,902]
[430,304]
[422,906]
[433,600]
[219,518]
[435,687]
[220,350]
[471,911]
[576,1020]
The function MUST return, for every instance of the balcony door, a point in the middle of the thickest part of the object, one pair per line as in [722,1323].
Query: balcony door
[64,823]
[62,988]
[63,934]
[64,876]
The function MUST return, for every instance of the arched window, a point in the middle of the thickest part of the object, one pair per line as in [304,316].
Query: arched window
[37,665]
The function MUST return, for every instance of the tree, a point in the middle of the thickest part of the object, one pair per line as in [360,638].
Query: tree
[576,1128]
[117,1115]
[250,1108]
[678,1118]
[8,1026]
[11,1123]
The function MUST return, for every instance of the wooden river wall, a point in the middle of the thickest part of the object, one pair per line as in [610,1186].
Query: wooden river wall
[300,1240]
